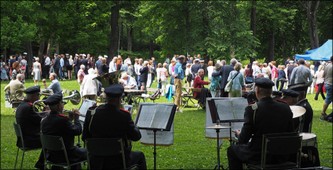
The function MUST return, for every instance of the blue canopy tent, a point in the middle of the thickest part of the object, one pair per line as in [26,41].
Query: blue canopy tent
[323,53]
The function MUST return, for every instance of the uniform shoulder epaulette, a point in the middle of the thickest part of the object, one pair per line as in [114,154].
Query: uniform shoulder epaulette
[124,110]
[64,116]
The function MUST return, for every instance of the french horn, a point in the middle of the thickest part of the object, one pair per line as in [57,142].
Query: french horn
[42,109]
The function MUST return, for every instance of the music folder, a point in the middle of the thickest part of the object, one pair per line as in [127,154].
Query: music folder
[155,116]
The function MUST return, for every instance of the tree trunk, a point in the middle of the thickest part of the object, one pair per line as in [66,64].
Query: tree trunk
[271,47]
[151,48]
[41,48]
[187,26]
[48,48]
[29,59]
[114,29]
[253,17]
[129,38]
[311,13]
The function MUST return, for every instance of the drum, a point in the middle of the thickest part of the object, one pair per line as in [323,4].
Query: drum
[309,139]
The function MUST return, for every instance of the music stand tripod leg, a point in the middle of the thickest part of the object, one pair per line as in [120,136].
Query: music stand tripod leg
[154,149]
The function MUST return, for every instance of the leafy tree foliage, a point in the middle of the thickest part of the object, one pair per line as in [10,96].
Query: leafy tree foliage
[214,29]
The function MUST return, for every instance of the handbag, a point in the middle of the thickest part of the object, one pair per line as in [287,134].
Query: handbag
[227,87]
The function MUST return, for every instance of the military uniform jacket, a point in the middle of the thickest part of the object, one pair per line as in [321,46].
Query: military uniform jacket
[60,125]
[110,122]
[30,124]
[270,117]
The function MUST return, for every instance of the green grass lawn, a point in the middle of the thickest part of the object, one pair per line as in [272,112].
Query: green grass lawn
[191,149]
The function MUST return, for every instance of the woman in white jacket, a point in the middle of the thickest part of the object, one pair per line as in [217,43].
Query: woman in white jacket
[89,86]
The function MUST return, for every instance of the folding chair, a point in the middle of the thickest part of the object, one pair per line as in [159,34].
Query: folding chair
[20,139]
[279,145]
[105,147]
[56,143]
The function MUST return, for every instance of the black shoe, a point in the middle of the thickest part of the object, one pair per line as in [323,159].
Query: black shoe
[316,98]
[323,116]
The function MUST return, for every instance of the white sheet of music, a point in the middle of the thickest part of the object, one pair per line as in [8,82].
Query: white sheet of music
[228,109]
[86,104]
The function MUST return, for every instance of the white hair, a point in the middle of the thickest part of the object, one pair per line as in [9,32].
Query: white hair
[82,66]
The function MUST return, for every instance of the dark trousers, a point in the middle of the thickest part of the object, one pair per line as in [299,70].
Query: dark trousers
[224,93]
[46,72]
[281,86]
[233,160]
[321,91]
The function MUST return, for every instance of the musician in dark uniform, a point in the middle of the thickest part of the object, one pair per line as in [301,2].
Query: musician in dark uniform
[58,124]
[291,97]
[110,121]
[30,122]
[262,117]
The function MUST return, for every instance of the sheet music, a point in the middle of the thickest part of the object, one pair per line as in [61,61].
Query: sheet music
[86,104]
[155,116]
[228,109]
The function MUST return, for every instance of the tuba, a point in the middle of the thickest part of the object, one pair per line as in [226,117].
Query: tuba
[106,80]
[42,109]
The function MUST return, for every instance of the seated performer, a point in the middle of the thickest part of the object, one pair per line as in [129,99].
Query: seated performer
[55,85]
[58,124]
[199,84]
[270,117]
[127,81]
[110,121]
[30,122]
[16,88]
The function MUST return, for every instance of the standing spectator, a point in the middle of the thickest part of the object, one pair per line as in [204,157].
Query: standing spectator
[62,67]
[105,67]
[24,64]
[281,78]
[16,70]
[210,70]
[10,63]
[265,70]
[188,75]
[224,72]
[256,69]
[119,62]
[37,70]
[84,61]
[113,65]
[76,65]
[163,77]
[328,86]
[319,76]
[151,73]
[81,74]
[89,86]
[4,72]
[290,68]
[237,79]
[137,68]
[56,66]
[195,67]
[46,66]
[274,74]
[144,75]
[98,65]
[70,67]
[300,78]
[130,68]
[248,73]
[179,76]
[215,85]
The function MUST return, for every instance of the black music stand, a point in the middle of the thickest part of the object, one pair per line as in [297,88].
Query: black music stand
[217,127]
[154,116]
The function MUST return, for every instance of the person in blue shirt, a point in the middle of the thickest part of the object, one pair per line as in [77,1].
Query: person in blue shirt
[179,76]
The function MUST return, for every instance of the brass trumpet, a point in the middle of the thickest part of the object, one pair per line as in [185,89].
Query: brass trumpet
[42,109]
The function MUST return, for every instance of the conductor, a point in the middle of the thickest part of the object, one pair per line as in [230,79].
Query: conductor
[110,121]
[265,116]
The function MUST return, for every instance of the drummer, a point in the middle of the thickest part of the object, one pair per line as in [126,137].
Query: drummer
[262,117]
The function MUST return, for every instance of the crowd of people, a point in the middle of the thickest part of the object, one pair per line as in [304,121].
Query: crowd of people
[294,79]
